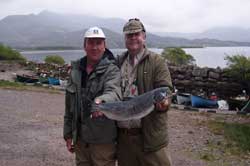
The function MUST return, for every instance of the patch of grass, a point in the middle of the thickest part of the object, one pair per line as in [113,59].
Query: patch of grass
[4,83]
[220,118]
[199,122]
[236,135]
[207,157]
[22,86]
[216,127]
[239,133]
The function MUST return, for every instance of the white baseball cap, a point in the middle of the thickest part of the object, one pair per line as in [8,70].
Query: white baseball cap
[94,32]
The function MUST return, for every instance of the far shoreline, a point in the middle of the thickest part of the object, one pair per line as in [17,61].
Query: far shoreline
[79,48]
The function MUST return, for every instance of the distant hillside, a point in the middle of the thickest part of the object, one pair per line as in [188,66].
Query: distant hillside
[235,34]
[157,41]
[48,30]
[223,33]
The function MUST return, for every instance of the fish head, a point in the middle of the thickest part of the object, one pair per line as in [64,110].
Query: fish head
[160,94]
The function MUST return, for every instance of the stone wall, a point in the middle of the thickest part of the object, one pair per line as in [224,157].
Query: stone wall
[196,80]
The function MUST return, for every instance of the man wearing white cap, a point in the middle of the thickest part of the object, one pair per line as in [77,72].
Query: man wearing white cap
[93,78]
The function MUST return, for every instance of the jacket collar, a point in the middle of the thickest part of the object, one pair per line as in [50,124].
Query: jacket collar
[100,67]
[121,58]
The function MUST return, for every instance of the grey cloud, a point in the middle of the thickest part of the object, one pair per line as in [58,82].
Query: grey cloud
[158,15]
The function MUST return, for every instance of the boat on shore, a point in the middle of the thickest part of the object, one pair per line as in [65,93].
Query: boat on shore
[246,108]
[235,104]
[200,102]
[53,81]
[27,78]
[43,80]
[183,99]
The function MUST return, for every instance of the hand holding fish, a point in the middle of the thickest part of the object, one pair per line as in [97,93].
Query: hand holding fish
[97,113]
[163,105]
[161,100]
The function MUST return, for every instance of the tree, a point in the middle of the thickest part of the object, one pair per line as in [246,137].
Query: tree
[238,66]
[7,53]
[178,56]
[54,59]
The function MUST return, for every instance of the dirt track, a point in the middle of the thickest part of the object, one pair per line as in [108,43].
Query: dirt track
[31,132]
[31,129]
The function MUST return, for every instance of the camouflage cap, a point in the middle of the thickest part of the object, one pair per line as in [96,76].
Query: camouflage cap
[133,26]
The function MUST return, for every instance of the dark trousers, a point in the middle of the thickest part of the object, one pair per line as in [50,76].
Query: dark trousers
[130,152]
[95,154]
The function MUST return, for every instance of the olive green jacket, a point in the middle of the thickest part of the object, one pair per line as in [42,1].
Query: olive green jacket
[152,72]
[103,83]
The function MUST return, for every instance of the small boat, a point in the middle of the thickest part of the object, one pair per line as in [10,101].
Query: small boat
[201,102]
[43,80]
[26,78]
[53,81]
[183,99]
[235,104]
[246,108]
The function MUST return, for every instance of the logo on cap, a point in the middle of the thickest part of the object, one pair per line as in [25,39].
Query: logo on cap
[96,31]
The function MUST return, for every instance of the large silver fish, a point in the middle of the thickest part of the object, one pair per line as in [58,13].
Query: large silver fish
[134,108]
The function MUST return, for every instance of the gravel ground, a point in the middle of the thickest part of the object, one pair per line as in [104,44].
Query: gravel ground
[31,133]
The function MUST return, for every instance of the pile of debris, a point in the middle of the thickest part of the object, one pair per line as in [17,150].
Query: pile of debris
[49,70]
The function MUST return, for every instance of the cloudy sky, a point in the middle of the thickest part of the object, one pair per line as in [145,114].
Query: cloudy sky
[157,15]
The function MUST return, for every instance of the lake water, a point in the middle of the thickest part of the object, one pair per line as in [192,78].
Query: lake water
[209,56]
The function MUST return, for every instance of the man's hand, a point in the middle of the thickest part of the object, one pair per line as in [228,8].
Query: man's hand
[70,146]
[164,105]
[97,114]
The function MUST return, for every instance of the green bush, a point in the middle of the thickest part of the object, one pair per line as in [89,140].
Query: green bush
[54,59]
[238,66]
[178,56]
[7,53]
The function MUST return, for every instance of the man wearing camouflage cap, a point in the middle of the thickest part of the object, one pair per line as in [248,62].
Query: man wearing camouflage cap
[143,142]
